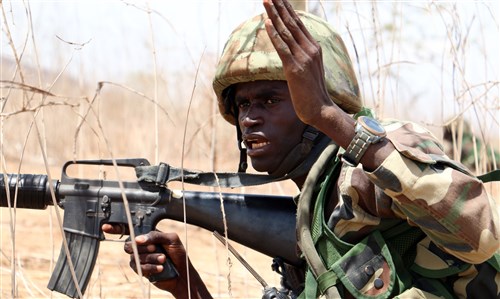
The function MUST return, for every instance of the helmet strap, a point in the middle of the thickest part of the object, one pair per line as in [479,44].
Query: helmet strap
[243,164]
[299,159]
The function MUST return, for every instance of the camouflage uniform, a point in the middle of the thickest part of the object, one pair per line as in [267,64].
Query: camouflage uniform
[415,185]
[418,185]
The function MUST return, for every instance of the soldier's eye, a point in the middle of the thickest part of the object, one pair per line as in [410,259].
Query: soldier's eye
[243,104]
[272,101]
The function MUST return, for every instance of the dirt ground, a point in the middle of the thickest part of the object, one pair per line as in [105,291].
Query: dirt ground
[37,242]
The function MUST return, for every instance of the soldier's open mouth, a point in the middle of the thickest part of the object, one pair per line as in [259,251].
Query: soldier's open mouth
[258,145]
[255,144]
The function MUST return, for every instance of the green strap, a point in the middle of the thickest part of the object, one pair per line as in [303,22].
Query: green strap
[318,212]
[318,218]
[304,221]
[311,288]
[313,285]
[326,281]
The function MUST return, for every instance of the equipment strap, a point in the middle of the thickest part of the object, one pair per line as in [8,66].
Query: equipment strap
[304,234]
[164,173]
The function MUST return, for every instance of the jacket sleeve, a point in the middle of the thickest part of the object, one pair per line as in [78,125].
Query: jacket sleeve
[437,194]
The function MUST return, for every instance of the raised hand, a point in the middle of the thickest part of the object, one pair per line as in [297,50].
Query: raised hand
[302,60]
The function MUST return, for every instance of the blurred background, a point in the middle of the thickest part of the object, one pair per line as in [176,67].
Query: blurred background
[120,79]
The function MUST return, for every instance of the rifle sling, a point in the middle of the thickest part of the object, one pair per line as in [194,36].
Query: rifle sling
[164,173]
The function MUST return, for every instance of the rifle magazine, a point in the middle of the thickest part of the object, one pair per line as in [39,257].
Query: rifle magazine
[83,251]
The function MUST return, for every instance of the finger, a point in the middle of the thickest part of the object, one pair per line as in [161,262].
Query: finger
[112,228]
[280,32]
[146,269]
[289,19]
[148,243]
[157,237]
[147,248]
[291,29]
[152,258]
[286,23]
[272,24]
[295,24]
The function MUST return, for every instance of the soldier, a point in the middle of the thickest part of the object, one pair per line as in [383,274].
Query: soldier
[382,213]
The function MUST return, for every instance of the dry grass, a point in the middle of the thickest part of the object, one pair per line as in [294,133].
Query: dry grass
[48,117]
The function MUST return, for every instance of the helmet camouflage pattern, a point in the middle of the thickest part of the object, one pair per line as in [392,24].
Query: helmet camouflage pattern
[249,55]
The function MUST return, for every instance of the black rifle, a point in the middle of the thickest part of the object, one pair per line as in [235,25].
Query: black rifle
[264,223]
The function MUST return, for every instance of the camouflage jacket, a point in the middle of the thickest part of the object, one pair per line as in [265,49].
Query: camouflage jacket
[417,185]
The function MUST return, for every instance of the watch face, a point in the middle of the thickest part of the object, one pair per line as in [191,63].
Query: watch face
[372,125]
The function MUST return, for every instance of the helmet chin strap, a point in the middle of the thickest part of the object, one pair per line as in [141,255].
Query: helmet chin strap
[243,165]
[296,163]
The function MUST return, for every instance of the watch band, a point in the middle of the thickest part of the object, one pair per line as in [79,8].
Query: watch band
[367,131]
[356,148]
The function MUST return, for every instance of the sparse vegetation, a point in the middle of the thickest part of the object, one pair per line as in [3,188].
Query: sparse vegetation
[431,62]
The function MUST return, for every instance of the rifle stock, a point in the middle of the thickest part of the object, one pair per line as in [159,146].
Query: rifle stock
[262,222]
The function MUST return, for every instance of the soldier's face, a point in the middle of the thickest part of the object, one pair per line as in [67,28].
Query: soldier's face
[268,122]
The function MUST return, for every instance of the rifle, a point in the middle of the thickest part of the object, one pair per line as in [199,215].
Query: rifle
[89,203]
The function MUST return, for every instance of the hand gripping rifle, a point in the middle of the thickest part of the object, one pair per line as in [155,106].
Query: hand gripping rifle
[261,222]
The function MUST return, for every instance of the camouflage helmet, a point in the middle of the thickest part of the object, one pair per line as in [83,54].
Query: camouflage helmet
[249,55]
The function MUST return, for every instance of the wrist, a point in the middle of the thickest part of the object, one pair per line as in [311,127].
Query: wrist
[336,123]
[197,287]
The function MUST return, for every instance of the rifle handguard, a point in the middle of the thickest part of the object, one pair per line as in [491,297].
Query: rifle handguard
[32,191]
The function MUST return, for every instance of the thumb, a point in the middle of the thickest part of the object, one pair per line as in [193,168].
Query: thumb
[157,237]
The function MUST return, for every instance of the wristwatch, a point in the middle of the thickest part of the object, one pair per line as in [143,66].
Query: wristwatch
[368,131]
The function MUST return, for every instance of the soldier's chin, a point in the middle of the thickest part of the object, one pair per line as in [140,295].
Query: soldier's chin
[262,166]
